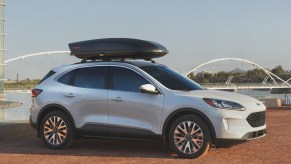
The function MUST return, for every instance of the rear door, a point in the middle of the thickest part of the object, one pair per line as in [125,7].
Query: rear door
[132,113]
[85,96]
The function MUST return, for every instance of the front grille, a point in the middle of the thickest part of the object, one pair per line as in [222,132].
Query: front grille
[257,119]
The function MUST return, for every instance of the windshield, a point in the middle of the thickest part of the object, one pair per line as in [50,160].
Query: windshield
[171,79]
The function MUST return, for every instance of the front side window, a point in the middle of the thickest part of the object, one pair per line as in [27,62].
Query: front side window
[124,79]
[89,77]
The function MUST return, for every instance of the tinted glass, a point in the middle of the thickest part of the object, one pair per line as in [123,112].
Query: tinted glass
[124,79]
[91,77]
[68,78]
[47,76]
[171,79]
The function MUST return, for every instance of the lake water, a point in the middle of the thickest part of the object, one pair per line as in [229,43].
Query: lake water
[17,113]
[22,112]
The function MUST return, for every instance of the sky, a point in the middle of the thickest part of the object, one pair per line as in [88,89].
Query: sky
[194,31]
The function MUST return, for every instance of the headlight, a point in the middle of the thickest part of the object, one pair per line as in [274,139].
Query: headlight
[223,104]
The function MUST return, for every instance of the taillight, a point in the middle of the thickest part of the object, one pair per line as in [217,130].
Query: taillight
[35,92]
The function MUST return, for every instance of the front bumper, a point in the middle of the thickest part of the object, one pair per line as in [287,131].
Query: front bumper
[224,143]
[234,127]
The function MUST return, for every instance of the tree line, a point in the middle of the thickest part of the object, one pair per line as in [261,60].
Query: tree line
[250,76]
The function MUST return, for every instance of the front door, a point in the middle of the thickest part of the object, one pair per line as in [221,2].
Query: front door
[130,112]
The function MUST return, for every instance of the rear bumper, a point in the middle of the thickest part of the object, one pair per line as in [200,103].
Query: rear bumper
[32,124]
[223,143]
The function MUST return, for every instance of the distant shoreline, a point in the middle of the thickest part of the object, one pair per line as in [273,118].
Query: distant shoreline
[9,104]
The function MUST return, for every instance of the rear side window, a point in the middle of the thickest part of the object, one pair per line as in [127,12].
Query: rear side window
[89,77]
[47,76]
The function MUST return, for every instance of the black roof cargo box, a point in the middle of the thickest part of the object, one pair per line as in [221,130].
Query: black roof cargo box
[117,48]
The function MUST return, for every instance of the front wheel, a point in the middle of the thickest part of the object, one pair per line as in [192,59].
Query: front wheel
[189,137]
[56,130]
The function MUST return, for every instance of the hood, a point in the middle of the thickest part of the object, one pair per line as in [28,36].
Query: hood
[215,94]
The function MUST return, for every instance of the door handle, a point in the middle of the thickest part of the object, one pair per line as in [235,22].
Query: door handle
[117,99]
[70,95]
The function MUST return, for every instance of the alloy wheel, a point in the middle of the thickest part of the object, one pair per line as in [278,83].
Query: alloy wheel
[188,137]
[55,130]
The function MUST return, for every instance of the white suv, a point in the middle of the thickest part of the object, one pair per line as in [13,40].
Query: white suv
[141,100]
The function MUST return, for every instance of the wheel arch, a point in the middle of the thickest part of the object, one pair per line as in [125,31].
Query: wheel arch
[186,111]
[52,107]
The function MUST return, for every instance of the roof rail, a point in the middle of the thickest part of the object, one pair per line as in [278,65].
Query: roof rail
[121,60]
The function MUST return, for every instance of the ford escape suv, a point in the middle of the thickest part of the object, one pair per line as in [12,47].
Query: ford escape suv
[140,100]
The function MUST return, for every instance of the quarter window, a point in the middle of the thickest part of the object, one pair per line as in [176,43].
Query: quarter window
[124,79]
[89,77]
[47,76]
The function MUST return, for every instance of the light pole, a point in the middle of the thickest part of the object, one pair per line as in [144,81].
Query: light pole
[2,20]
[2,57]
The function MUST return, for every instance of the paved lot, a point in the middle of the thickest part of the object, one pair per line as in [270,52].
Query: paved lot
[19,144]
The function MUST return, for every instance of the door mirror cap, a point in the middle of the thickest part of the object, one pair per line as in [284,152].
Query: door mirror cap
[148,88]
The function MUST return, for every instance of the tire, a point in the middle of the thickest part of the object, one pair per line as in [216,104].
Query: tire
[56,130]
[189,143]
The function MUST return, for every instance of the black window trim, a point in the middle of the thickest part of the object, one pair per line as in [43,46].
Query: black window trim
[110,77]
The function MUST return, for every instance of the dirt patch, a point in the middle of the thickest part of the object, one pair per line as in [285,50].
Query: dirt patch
[21,145]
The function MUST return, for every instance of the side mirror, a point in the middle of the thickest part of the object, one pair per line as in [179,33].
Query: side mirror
[148,88]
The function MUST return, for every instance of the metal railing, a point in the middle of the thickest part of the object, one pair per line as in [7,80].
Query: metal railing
[287,100]
[243,86]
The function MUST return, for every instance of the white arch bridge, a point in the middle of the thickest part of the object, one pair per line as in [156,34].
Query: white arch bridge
[36,54]
[33,68]
[278,84]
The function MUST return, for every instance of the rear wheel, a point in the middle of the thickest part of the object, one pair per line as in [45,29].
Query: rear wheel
[56,130]
[189,137]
